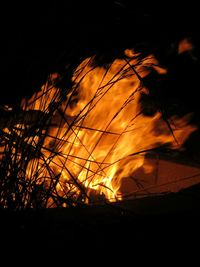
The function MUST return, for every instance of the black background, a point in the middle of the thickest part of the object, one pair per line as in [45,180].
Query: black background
[38,38]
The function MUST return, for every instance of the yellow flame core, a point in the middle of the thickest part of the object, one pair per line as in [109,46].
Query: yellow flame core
[103,136]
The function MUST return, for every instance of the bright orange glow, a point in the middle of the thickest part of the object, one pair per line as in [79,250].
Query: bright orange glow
[185,45]
[98,135]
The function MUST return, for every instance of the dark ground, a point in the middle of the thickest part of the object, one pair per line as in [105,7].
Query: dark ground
[41,38]
[144,230]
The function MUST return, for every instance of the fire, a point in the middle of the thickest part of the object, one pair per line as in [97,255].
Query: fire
[96,134]
[185,45]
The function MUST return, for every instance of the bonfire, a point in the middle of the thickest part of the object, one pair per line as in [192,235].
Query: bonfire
[80,144]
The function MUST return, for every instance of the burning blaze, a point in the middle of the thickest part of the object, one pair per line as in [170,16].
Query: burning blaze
[97,135]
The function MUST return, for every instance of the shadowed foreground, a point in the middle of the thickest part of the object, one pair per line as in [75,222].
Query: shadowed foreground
[134,225]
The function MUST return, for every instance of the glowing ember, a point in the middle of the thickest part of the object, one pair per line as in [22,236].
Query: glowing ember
[185,45]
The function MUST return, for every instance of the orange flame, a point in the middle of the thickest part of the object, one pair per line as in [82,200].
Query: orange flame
[99,135]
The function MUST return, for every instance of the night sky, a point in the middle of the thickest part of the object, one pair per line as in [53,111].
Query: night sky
[39,38]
